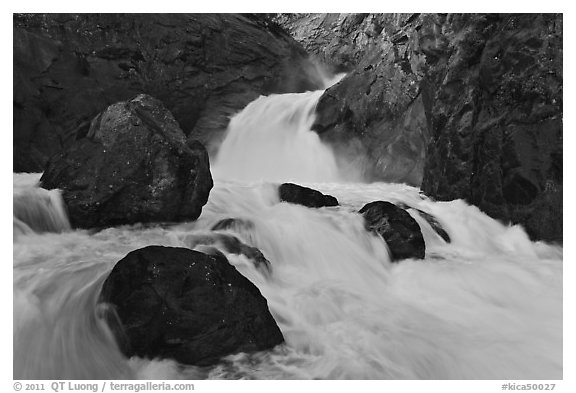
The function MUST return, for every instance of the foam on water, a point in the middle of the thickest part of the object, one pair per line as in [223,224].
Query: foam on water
[271,140]
[36,209]
[487,305]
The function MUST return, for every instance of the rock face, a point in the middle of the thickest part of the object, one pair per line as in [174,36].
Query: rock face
[378,111]
[464,105]
[184,305]
[337,40]
[134,165]
[293,193]
[381,120]
[204,67]
[497,121]
[400,231]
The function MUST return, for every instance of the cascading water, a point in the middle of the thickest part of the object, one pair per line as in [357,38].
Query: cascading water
[36,209]
[488,305]
[271,140]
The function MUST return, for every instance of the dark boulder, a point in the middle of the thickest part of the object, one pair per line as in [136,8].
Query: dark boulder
[400,231]
[134,165]
[293,193]
[188,306]
[204,67]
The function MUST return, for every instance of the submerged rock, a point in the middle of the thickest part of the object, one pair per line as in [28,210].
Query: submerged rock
[231,244]
[305,196]
[400,231]
[188,306]
[134,165]
[234,224]
[430,219]
[436,226]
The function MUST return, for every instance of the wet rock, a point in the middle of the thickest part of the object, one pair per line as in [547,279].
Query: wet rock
[378,114]
[305,196]
[184,305]
[231,244]
[204,67]
[234,224]
[497,121]
[430,219]
[436,226]
[400,231]
[467,106]
[134,165]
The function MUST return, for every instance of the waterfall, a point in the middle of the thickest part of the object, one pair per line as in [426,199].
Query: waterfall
[37,210]
[487,305]
[271,140]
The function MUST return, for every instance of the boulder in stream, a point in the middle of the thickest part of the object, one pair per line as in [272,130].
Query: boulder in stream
[134,165]
[400,231]
[184,305]
[293,193]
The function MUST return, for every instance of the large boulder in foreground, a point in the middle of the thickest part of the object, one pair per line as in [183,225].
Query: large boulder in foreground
[134,165]
[400,231]
[294,193]
[188,306]
[204,67]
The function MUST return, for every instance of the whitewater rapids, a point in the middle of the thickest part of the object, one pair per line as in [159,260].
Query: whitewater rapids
[488,305]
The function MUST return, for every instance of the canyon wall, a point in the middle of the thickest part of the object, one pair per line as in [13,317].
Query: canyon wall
[203,67]
[464,105]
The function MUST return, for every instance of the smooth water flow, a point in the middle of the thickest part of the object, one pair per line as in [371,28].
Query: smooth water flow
[488,305]
[270,140]
[36,209]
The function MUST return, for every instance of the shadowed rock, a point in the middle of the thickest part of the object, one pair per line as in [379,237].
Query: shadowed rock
[400,231]
[305,196]
[184,305]
[465,106]
[204,67]
[134,165]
